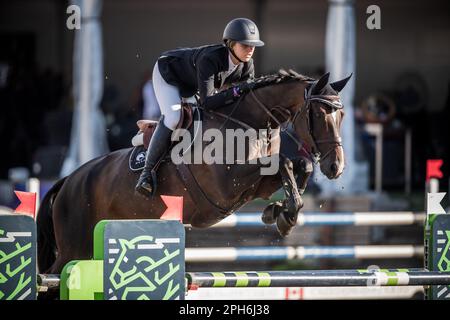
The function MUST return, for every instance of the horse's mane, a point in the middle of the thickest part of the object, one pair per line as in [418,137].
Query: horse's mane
[279,77]
[275,78]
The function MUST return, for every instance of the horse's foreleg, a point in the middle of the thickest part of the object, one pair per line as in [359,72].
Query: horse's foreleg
[303,168]
[293,202]
[285,213]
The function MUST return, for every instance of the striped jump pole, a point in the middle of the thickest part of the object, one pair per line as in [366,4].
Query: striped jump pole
[319,278]
[301,252]
[381,218]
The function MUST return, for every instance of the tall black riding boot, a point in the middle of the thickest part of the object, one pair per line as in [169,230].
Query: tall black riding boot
[159,144]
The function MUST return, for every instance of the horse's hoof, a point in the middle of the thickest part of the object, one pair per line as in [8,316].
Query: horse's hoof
[285,224]
[294,204]
[271,213]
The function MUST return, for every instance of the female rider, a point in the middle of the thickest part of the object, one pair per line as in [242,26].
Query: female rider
[184,72]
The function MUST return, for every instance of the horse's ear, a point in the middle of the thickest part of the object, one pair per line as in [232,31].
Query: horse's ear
[339,85]
[321,83]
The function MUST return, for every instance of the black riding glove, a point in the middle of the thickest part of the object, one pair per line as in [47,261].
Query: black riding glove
[242,88]
[228,96]
[219,100]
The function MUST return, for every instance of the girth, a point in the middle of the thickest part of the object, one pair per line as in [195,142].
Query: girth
[200,199]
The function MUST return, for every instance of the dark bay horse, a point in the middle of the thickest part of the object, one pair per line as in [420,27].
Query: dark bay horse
[104,187]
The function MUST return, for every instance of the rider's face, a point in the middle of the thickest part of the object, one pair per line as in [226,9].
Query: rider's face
[243,51]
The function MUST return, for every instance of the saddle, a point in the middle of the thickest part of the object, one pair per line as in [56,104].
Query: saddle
[147,127]
[141,140]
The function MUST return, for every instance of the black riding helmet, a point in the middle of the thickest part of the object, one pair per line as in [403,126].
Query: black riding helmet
[244,31]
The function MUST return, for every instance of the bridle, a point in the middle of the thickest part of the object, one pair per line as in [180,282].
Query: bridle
[332,101]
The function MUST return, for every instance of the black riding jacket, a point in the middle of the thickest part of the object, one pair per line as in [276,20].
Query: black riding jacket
[202,69]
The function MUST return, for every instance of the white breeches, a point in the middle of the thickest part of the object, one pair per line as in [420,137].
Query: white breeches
[168,97]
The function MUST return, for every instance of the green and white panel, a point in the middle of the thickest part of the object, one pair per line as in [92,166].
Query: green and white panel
[17,257]
[144,260]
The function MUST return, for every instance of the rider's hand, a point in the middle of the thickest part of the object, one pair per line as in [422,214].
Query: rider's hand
[242,88]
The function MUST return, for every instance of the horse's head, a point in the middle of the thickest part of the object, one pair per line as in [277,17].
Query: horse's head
[314,108]
[318,123]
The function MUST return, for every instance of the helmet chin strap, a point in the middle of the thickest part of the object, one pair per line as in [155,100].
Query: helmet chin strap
[234,55]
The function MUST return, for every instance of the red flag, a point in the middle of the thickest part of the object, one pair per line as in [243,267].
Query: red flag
[174,209]
[434,169]
[27,203]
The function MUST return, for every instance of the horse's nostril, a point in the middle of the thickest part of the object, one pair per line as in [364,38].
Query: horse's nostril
[334,168]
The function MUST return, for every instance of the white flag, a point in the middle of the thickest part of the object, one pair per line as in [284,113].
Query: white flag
[434,203]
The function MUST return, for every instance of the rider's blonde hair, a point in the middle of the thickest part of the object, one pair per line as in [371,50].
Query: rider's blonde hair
[230,44]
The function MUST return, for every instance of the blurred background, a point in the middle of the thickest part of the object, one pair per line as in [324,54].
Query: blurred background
[401,71]
[400,101]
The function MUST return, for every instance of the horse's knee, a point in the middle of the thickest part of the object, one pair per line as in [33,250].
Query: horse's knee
[286,163]
[305,165]
[303,170]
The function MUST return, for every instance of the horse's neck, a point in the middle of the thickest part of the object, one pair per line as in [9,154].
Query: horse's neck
[252,113]
[243,112]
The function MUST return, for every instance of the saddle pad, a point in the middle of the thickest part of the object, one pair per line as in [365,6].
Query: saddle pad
[136,161]
[137,158]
